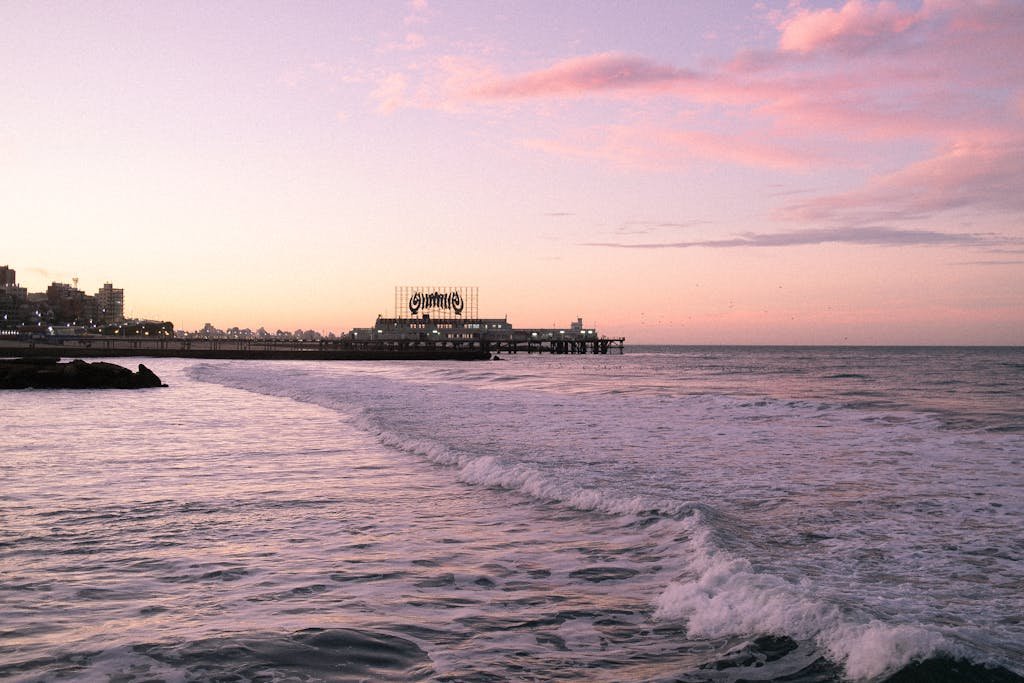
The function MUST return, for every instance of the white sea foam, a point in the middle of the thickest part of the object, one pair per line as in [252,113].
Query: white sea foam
[486,470]
[726,596]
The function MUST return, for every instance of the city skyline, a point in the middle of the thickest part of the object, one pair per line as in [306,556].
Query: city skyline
[763,172]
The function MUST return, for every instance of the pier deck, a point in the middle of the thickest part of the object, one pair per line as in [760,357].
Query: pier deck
[257,349]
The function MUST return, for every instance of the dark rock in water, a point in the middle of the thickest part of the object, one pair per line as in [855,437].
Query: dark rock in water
[148,377]
[774,647]
[765,649]
[47,373]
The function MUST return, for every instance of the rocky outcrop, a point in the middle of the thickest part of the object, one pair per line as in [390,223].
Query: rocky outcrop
[41,373]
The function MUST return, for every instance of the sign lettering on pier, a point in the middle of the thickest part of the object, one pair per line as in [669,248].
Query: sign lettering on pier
[439,302]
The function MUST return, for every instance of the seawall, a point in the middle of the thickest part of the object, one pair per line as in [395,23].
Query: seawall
[234,351]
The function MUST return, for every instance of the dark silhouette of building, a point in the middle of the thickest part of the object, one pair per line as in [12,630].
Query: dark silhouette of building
[13,299]
[69,304]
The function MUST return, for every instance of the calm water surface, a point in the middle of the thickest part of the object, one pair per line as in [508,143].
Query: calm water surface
[693,514]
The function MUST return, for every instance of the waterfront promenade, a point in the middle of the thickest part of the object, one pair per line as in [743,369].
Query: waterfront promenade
[239,349]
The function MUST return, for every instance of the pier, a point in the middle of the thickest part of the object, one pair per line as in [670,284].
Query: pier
[603,345]
[273,349]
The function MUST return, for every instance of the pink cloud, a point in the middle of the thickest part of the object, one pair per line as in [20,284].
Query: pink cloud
[985,173]
[929,91]
[412,41]
[866,236]
[960,45]
[390,93]
[608,71]
[417,8]
[851,86]
[855,26]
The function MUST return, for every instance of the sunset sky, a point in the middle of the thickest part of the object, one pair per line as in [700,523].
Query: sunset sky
[678,172]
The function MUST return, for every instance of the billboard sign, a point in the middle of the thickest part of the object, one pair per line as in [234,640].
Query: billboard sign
[437,302]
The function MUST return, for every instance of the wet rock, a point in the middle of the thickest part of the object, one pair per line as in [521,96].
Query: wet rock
[47,373]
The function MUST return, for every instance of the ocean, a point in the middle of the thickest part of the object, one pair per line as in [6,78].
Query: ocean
[670,514]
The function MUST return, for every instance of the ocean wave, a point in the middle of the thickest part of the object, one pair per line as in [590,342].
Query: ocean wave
[487,470]
[725,596]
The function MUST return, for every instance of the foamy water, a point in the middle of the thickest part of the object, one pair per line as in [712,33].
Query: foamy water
[701,514]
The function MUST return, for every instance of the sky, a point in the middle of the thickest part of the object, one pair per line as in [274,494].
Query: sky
[672,172]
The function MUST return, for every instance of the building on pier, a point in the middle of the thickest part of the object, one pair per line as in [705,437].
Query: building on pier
[450,315]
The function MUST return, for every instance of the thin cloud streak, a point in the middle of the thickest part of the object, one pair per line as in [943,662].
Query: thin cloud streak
[580,75]
[987,263]
[692,223]
[877,236]
[648,227]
